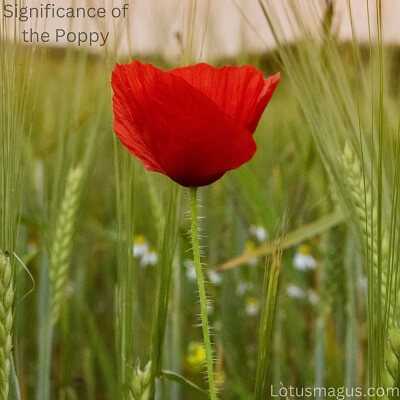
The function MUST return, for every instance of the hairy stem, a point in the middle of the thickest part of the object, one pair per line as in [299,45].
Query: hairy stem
[202,294]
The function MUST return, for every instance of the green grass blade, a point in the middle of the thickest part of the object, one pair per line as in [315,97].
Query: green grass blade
[173,376]
[126,284]
[15,392]
[45,333]
[168,247]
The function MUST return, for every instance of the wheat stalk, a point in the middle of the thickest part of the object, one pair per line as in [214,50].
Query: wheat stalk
[63,241]
[6,322]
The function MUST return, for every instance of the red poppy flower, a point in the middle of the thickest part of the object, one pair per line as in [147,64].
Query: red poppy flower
[193,123]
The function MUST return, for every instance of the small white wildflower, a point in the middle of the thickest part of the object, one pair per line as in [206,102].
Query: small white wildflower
[252,306]
[190,270]
[140,249]
[295,292]
[214,277]
[304,262]
[140,246]
[150,258]
[313,297]
[303,259]
[259,232]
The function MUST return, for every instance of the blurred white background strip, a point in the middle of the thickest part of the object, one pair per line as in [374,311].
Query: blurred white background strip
[214,28]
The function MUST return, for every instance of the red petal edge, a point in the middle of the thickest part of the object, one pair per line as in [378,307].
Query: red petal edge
[240,92]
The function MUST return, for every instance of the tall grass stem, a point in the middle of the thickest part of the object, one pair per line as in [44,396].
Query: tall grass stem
[6,322]
[267,324]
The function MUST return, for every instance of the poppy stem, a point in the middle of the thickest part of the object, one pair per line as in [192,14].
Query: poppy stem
[202,294]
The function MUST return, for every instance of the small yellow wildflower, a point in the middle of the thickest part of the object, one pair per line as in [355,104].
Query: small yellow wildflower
[249,247]
[196,356]
[304,249]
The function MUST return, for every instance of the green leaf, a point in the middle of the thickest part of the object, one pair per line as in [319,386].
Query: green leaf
[173,376]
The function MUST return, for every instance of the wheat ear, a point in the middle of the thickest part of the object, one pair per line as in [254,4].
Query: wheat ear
[392,358]
[367,215]
[140,385]
[63,241]
[6,322]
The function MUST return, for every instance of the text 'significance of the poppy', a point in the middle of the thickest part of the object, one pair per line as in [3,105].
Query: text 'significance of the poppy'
[55,12]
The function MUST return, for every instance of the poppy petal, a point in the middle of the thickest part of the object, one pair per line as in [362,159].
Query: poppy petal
[241,92]
[127,124]
[187,135]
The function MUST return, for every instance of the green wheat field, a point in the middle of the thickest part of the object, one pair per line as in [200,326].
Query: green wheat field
[300,246]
